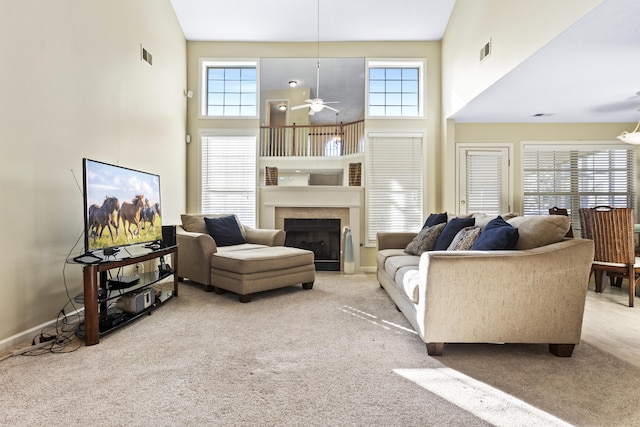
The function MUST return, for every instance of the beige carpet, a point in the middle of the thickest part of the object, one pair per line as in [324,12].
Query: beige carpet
[339,354]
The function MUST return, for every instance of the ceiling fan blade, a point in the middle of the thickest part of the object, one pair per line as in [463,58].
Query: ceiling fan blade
[311,112]
[331,108]
[297,107]
[332,102]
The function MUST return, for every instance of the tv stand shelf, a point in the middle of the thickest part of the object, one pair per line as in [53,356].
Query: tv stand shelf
[99,319]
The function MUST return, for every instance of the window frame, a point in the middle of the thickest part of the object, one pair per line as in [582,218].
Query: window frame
[205,64]
[418,63]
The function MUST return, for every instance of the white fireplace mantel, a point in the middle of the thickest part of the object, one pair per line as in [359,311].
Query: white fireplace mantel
[309,197]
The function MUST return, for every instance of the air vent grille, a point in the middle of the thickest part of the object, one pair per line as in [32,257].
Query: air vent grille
[485,51]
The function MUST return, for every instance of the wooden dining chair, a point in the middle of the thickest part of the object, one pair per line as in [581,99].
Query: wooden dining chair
[611,230]
[561,211]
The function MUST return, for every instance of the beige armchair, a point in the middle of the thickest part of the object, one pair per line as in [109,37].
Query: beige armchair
[196,246]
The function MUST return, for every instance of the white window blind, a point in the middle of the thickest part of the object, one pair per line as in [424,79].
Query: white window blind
[575,176]
[484,183]
[393,185]
[228,180]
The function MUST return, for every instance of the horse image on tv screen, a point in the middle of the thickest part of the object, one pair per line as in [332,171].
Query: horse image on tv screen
[122,206]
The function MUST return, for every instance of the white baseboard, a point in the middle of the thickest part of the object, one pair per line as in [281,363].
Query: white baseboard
[368,269]
[25,337]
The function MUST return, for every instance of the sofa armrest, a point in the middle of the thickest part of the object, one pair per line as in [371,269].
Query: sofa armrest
[265,236]
[194,255]
[394,240]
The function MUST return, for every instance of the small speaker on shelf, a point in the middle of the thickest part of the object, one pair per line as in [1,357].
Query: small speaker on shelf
[168,235]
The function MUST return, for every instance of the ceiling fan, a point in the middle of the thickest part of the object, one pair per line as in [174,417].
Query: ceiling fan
[317,104]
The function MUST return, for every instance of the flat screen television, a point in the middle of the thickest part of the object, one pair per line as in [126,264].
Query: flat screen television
[121,207]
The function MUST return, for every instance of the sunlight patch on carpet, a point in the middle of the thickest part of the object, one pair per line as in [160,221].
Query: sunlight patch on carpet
[480,399]
[371,318]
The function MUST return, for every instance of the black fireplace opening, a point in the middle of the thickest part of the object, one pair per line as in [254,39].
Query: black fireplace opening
[320,236]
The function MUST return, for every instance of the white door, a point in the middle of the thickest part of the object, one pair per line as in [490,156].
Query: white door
[484,181]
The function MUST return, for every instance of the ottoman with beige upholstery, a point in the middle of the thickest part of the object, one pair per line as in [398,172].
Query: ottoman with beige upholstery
[249,271]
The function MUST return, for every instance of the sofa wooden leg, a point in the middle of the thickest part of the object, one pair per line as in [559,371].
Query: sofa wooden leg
[244,298]
[435,348]
[209,288]
[308,285]
[561,350]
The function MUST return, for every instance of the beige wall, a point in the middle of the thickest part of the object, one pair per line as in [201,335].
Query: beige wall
[73,86]
[430,126]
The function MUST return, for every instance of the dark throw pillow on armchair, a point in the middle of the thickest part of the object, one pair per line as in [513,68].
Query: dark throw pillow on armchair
[225,230]
[498,234]
[450,230]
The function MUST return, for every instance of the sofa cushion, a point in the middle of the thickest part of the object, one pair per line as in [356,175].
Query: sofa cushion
[435,219]
[465,239]
[450,230]
[261,260]
[540,230]
[383,254]
[395,263]
[497,235]
[425,240]
[482,219]
[410,278]
[225,230]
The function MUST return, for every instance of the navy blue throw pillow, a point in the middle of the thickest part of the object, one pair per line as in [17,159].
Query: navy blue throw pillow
[497,234]
[435,219]
[225,230]
[450,230]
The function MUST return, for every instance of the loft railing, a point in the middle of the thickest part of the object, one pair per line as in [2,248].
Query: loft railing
[312,140]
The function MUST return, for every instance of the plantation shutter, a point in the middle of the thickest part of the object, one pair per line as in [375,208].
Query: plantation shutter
[228,180]
[393,184]
[575,176]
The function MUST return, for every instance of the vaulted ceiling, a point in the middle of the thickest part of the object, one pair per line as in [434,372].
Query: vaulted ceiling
[589,73]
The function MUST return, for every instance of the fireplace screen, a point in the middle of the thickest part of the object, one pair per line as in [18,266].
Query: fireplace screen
[321,236]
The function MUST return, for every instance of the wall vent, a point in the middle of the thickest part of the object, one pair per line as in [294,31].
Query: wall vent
[145,55]
[485,51]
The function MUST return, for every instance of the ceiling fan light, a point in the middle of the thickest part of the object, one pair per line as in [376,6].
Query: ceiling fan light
[630,137]
[316,107]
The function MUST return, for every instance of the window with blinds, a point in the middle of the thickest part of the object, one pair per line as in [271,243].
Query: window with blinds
[484,183]
[574,176]
[228,177]
[394,179]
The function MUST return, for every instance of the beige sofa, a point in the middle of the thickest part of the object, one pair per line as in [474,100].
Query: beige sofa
[262,263]
[533,294]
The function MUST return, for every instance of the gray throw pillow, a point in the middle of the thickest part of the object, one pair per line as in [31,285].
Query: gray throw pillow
[464,240]
[425,240]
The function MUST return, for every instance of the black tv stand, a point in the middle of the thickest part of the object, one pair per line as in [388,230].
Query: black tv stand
[98,319]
